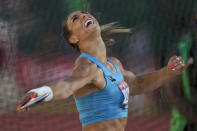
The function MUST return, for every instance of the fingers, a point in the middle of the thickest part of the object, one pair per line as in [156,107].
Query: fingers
[25,99]
[19,109]
[176,63]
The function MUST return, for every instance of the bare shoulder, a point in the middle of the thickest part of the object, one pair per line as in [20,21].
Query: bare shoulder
[83,67]
[126,73]
[117,62]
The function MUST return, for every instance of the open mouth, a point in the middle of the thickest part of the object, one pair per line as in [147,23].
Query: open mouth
[88,23]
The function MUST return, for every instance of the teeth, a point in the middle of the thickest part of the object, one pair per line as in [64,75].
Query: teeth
[86,23]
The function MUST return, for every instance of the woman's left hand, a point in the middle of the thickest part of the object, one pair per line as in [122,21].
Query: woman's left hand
[176,65]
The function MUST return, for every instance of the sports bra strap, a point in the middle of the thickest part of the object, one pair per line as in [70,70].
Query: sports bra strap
[95,61]
[99,64]
[117,68]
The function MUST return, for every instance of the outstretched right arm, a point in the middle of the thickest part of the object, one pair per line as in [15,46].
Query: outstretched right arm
[83,74]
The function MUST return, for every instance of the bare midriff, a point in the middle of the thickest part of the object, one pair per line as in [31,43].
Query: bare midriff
[110,125]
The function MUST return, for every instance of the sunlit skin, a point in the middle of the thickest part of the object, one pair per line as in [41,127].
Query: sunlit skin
[87,78]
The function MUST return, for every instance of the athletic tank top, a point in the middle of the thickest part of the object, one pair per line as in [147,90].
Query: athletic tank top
[108,103]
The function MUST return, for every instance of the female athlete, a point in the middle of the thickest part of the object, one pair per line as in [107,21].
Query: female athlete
[100,85]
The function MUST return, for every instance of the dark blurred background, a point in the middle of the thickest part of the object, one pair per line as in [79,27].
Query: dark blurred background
[33,53]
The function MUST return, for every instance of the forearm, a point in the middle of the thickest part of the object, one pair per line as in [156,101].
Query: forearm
[149,82]
[61,90]
[64,89]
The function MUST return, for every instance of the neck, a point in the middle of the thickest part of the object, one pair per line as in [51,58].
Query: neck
[95,48]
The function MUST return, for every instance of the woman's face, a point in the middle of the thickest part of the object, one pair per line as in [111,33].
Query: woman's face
[82,25]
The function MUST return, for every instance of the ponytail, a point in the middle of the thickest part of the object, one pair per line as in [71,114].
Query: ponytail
[112,28]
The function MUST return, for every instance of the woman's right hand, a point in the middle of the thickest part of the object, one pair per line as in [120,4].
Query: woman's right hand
[24,100]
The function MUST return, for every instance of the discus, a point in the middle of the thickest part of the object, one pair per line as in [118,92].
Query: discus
[35,100]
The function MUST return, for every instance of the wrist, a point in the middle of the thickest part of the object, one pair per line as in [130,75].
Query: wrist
[43,90]
[169,72]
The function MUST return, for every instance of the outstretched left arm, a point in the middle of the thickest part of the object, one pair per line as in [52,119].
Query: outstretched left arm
[148,82]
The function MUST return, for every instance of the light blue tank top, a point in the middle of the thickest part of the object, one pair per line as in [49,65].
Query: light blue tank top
[104,104]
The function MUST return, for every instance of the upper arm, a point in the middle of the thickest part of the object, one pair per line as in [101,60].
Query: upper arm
[83,74]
